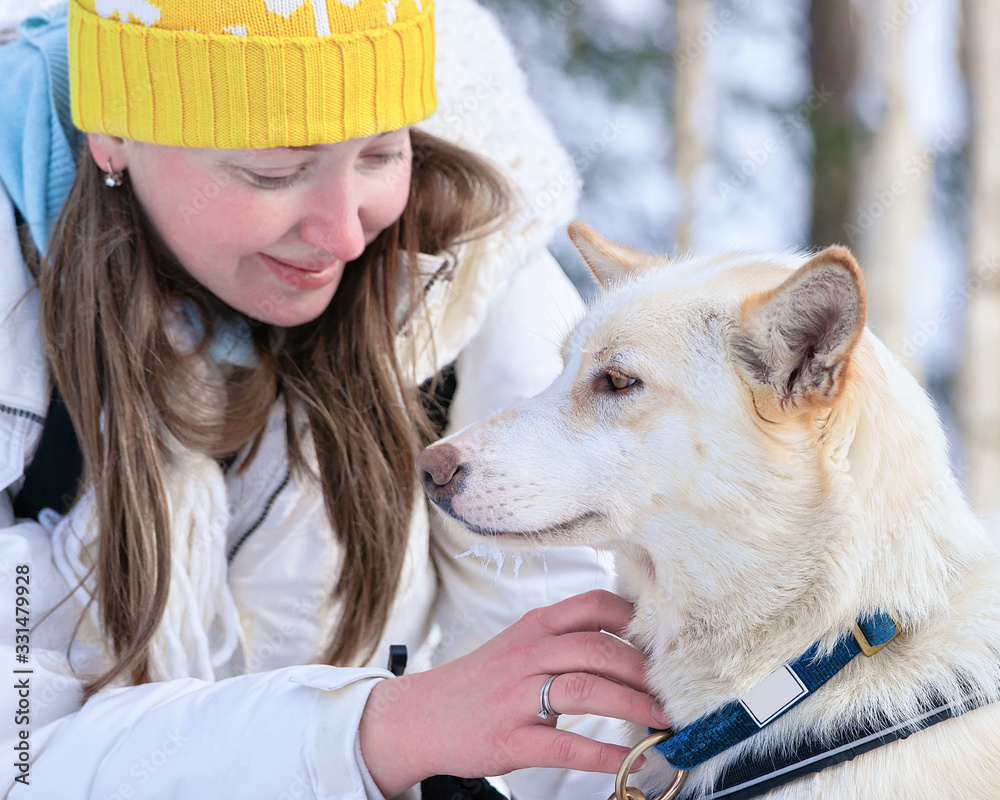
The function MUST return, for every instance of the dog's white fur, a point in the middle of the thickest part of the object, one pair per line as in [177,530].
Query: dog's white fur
[773,474]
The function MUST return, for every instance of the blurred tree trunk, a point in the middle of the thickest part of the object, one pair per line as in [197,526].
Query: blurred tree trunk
[893,177]
[834,69]
[689,147]
[979,395]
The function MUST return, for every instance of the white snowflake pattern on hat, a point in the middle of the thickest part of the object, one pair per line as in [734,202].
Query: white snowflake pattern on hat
[145,12]
[288,7]
[391,7]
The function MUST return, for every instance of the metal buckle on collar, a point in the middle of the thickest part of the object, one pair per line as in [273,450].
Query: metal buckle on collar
[867,649]
[624,792]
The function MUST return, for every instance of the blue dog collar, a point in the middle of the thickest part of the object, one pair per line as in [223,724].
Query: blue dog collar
[779,692]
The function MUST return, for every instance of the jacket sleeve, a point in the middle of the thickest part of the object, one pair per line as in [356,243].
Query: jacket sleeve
[514,356]
[291,732]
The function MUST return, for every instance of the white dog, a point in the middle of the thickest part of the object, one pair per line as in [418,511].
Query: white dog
[767,475]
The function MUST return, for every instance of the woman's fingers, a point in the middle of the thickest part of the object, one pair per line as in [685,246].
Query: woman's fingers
[594,611]
[585,693]
[599,653]
[565,750]
[596,672]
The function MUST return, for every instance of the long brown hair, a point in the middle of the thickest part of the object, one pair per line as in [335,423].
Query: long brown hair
[108,291]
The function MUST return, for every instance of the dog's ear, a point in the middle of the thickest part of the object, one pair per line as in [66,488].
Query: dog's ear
[797,339]
[608,261]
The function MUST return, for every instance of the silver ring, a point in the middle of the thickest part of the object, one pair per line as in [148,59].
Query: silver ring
[546,710]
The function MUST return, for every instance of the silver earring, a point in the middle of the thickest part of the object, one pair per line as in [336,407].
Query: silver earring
[113,178]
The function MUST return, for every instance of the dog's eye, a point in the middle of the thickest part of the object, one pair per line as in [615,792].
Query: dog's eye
[617,382]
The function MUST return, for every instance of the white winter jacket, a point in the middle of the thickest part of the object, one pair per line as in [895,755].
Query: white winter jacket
[239,709]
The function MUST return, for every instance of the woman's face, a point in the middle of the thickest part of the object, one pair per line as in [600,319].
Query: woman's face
[268,231]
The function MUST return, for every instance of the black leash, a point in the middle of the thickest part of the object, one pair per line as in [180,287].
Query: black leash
[758,774]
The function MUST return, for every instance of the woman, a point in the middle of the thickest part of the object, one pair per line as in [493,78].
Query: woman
[237,308]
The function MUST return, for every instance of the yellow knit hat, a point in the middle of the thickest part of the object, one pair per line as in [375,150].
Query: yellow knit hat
[250,73]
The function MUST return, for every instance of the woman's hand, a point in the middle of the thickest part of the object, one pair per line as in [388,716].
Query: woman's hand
[478,715]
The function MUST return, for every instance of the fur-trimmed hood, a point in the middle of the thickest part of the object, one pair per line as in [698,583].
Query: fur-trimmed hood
[483,106]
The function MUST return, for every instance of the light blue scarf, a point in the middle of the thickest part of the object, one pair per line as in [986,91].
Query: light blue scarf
[232,339]
[38,143]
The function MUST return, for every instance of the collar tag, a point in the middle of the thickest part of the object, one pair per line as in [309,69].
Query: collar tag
[777,692]
[740,719]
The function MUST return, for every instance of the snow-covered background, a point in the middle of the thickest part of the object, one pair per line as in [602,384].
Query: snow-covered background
[603,71]
[606,74]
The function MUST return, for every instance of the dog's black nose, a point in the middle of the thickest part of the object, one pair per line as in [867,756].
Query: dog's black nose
[441,470]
